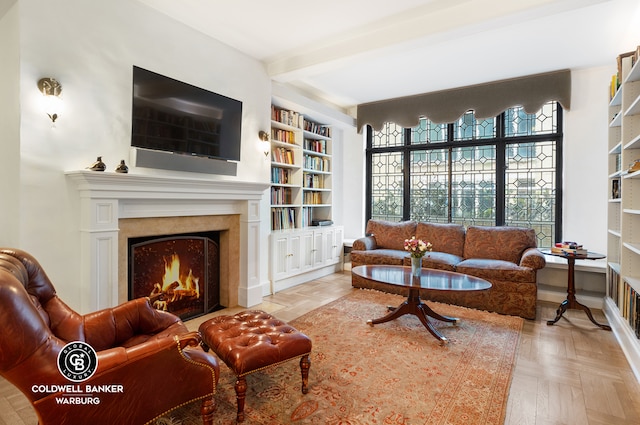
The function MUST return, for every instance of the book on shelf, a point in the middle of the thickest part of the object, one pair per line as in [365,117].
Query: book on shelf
[319,146]
[283,218]
[282,155]
[284,136]
[287,117]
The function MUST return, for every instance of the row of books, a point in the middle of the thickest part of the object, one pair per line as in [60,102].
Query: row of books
[569,248]
[625,62]
[312,198]
[316,128]
[284,116]
[280,175]
[280,195]
[319,146]
[283,218]
[285,136]
[313,181]
[626,298]
[282,155]
[630,308]
[316,163]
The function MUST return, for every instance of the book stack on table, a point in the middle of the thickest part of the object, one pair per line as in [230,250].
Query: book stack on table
[572,248]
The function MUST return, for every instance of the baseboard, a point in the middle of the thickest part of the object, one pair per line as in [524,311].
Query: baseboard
[299,279]
[626,337]
[557,295]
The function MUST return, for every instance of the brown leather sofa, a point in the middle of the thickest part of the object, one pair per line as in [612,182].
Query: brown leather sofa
[505,256]
[148,363]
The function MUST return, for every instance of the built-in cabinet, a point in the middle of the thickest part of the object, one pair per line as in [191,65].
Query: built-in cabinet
[299,255]
[304,242]
[622,304]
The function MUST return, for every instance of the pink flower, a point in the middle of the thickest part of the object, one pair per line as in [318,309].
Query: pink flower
[417,247]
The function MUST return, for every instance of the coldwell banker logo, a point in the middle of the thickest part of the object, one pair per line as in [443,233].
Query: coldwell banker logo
[77,361]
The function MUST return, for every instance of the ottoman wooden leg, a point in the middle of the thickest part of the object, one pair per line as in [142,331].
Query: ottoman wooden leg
[241,392]
[305,364]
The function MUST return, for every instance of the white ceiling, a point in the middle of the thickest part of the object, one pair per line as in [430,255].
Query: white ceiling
[348,52]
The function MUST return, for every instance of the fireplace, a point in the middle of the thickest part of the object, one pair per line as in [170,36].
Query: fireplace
[115,207]
[179,273]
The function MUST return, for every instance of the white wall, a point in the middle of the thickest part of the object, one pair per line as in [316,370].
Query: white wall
[10,125]
[90,47]
[585,164]
[585,158]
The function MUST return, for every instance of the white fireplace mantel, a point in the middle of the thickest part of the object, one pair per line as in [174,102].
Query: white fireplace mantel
[106,197]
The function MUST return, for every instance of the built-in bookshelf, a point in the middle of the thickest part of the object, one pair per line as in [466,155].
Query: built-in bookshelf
[622,303]
[300,170]
[305,244]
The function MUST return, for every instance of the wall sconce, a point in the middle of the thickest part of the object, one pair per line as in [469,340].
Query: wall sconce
[51,89]
[264,137]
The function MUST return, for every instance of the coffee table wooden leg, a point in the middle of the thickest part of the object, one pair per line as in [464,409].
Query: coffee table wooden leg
[424,318]
[401,310]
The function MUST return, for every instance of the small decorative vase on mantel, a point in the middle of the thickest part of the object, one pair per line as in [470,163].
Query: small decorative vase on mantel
[416,266]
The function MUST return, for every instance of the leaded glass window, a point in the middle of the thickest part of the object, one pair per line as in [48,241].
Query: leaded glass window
[498,171]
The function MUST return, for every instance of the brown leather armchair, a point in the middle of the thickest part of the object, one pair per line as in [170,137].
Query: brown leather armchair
[148,363]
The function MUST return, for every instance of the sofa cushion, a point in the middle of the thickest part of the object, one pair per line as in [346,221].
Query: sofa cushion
[493,270]
[391,235]
[438,261]
[445,237]
[498,242]
[378,256]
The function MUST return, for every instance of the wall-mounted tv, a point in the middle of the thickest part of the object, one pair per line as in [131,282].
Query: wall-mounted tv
[171,116]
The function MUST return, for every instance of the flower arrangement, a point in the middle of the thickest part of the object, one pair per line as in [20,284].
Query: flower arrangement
[417,247]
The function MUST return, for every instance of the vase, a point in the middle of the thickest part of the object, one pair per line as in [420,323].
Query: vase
[416,266]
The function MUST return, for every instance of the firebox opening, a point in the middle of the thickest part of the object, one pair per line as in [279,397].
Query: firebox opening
[180,273]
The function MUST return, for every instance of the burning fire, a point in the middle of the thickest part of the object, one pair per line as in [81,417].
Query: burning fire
[174,286]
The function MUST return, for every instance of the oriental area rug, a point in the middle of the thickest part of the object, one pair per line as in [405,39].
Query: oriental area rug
[391,373]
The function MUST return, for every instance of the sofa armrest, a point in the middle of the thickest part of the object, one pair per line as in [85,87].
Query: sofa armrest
[533,259]
[365,244]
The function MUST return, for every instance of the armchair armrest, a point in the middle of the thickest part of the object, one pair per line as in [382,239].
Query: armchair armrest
[115,326]
[366,243]
[533,259]
[191,339]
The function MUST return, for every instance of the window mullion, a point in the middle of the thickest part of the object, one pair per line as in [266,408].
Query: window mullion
[406,175]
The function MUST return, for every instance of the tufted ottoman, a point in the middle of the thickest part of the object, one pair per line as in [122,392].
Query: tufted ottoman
[253,340]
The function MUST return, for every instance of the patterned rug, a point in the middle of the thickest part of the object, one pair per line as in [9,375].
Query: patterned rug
[392,373]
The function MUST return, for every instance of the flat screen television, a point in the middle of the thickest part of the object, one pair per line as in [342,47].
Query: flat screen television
[172,116]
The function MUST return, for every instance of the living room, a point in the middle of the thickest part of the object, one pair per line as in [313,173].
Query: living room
[91,50]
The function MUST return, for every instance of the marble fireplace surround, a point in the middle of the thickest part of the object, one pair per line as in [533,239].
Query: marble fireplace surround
[114,207]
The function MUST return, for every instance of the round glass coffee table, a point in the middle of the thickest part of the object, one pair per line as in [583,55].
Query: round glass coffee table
[429,279]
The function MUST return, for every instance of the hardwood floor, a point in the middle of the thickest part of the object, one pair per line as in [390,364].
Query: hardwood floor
[571,373]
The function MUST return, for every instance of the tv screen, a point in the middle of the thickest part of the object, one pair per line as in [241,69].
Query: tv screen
[172,116]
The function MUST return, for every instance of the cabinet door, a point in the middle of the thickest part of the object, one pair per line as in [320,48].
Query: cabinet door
[306,250]
[280,259]
[295,253]
[338,248]
[333,245]
[329,235]
[318,248]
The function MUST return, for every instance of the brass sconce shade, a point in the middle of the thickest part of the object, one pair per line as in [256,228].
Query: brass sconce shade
[264,137]
[51,89]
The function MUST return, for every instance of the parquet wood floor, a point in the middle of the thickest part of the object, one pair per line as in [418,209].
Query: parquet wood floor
[570,373]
